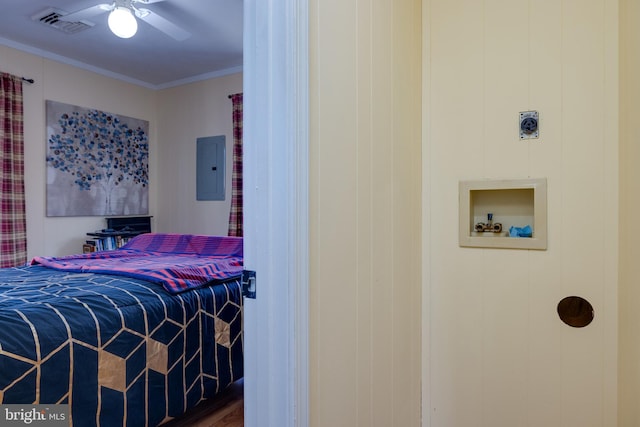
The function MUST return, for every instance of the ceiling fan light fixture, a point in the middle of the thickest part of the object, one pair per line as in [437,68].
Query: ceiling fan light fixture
[122,23]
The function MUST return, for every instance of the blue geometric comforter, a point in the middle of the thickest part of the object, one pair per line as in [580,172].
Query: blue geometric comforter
[120,351]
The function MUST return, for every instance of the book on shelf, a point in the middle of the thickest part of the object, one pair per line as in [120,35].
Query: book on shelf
[118,232]
[108,243]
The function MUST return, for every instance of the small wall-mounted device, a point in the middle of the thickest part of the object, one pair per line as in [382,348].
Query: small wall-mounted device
[529,124]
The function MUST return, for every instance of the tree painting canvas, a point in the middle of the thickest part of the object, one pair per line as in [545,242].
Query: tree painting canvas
[97,162]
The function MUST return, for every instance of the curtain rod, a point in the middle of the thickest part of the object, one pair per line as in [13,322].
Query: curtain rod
[24,79]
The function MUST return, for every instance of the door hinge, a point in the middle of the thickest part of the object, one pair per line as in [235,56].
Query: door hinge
[249,284]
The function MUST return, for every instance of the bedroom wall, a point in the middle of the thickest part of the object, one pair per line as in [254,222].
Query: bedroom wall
[176,116]
[365,213]
[186,113]
[629,350]
[71,85]
[498,354]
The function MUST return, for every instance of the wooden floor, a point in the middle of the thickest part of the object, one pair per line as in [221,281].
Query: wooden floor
[225,410]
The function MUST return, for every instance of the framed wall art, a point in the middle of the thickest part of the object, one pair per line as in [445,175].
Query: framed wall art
[97,162]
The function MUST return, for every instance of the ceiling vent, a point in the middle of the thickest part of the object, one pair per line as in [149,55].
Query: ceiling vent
[51,18]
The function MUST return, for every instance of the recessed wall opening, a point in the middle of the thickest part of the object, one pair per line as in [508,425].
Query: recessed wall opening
[575,311]
[508,214]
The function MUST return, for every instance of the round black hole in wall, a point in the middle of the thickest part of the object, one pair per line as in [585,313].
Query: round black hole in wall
[575,311]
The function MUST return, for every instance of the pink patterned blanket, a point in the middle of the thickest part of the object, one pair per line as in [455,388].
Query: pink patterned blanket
[177,261]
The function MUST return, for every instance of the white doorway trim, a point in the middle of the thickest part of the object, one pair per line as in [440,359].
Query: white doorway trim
[276,230]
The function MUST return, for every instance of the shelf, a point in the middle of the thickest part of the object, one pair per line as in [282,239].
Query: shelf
[114,234]
[119,230]
[516,202]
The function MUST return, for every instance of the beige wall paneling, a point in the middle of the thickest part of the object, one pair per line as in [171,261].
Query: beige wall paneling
[406,201]
[333,223]
[499,355]
[629,297]
[589,200]
[365,201]
[454,136]
[544,157]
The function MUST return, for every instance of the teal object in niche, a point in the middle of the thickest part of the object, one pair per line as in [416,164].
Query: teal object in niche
[525,231]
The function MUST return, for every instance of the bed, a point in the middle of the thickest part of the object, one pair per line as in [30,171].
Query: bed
[131,337]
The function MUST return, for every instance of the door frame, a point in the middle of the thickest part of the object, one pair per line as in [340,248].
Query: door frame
[276,193]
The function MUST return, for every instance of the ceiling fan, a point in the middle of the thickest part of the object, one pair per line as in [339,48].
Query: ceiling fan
[122,18]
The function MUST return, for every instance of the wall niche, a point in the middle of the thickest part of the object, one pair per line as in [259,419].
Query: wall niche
[508,214]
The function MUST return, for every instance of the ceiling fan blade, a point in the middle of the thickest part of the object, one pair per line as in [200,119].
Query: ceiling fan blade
[163,24]
[86,13]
